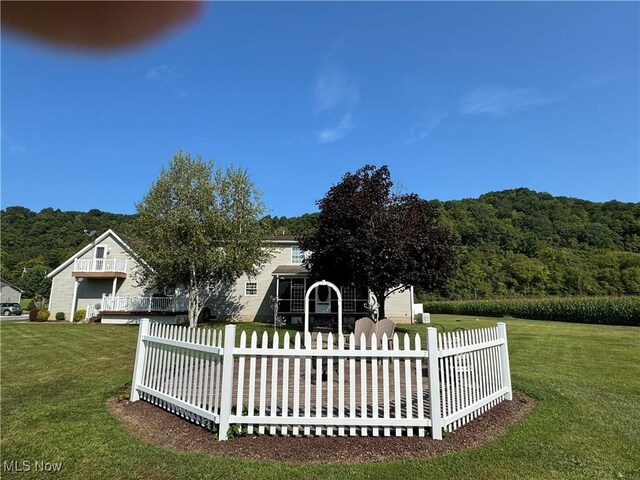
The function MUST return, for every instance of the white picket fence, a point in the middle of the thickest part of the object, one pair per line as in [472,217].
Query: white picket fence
[332,388]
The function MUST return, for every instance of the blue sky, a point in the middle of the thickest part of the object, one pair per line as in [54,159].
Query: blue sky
[457,98]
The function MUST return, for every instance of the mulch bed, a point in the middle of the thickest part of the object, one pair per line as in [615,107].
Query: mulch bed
[158,427]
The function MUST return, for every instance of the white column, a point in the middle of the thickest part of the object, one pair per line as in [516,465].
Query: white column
[275,310]
[74,300]
[113,290]
[411,301]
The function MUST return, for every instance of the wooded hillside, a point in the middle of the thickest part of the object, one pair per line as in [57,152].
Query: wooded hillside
[522,242]
[513,242]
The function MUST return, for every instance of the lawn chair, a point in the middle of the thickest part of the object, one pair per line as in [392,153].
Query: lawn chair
[384,326]
[363,325]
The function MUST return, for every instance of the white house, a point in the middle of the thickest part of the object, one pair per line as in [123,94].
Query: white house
[100,278]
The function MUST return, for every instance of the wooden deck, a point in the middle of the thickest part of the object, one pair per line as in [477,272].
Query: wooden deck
[324,382]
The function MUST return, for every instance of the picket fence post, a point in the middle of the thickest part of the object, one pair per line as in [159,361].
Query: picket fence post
[227,380]
[504,359]
[434,383]
[138,366]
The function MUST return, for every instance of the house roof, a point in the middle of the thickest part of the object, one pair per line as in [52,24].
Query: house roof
[4,283]
[88,247]
[272,239]
[282,239]
[290,270]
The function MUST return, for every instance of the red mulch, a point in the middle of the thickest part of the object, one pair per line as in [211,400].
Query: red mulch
[156,426]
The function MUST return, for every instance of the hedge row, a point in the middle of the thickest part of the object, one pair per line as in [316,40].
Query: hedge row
[598,310]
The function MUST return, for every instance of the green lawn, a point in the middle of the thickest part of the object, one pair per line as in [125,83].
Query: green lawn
[56,377]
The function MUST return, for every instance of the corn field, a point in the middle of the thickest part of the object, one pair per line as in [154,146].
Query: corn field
[597,310]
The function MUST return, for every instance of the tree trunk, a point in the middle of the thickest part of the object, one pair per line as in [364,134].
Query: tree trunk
[381,302]
[193,308]
[193,302]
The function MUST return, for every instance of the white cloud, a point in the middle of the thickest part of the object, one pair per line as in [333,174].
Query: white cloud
[428,122]
[12,147]
[338,132]
[168,77]
[336,95]
[501,101]
[160,72]
[17,149]
[334,89]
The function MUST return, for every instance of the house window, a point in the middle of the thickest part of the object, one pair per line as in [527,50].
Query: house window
[349,299]
[297,255]
[251,288]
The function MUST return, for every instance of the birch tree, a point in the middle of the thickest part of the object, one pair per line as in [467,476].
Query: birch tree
[199,227]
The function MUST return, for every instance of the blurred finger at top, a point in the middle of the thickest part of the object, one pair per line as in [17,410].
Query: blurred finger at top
[94,24]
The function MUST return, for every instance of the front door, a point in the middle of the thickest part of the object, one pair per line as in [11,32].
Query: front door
[323,299]
[99,257]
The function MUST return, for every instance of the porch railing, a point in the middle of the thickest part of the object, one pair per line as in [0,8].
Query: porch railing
[92,310]
[143,304]
[100,265]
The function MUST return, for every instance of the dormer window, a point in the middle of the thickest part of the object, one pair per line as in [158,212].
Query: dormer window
[100,252]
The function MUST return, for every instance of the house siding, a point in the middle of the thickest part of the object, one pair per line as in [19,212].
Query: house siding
[257,308]
[398,306]
[62,292]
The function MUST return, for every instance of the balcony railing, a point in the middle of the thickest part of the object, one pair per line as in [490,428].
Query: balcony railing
[143,304]
[100,265]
